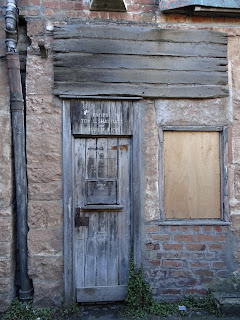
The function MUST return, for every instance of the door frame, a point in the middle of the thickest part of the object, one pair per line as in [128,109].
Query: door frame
[68,205]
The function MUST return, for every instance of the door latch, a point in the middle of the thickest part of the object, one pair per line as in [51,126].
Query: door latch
[80,221]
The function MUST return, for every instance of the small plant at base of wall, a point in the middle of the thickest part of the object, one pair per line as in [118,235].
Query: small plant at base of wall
[140,302]
[139,299]
[21,311]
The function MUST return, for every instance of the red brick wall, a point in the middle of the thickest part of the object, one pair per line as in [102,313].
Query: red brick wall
[183,259]
[138,11]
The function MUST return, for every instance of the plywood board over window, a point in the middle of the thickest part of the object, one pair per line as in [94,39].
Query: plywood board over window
[192,175]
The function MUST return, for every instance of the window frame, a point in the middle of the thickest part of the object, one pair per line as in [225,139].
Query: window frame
[223,154]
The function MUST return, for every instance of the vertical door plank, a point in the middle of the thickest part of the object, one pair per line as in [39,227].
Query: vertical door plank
[101,270]
[124,218]
[112,155]
[91,169]
[95,107]
[127,118]
[80,254]
[79,192]
[80,166]
[102,160]
[103,119]
[116,117]
[79,265]
[90,259]
[86,110]
[80,110]
[113,246]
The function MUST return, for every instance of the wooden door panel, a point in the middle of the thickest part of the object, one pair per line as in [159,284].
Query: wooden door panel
[102,160]
[91,158]
[113,245]
[112,158]
[102,247]
[90,248]
[104,294]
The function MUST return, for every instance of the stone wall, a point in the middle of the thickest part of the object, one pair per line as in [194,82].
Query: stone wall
[7,250]
[43,142]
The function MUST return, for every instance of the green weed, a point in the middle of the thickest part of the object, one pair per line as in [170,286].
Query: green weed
[140,302]
[25,311]
[73,309]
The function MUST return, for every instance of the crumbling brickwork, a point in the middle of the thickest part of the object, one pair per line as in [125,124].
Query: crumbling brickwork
[184,259]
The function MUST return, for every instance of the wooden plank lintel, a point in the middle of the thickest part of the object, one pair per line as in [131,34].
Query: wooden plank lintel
[65,96]
[113,62]
[131,47]
[157,77]
[71,89]
[137,33]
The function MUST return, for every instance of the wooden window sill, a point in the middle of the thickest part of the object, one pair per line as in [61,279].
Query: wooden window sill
[199,222]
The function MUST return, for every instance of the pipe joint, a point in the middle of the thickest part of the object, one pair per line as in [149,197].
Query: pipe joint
[11,25]
[11,45]
[11,16]
[11,21]
[25,295]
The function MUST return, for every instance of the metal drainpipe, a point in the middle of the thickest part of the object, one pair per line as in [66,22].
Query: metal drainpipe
[18,133]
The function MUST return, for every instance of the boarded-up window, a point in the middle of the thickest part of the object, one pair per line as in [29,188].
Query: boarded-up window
[192,175]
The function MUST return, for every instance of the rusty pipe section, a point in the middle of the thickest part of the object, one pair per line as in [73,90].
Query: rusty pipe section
[19,150]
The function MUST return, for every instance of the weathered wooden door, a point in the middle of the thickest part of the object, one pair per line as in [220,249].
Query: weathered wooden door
[102,217]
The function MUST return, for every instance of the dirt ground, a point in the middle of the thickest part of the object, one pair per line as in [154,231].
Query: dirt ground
[116,312]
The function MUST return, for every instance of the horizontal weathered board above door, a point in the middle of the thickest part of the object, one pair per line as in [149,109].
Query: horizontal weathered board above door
[137,33]
[149,48]
[108,61]
[139,61]
[91,117]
